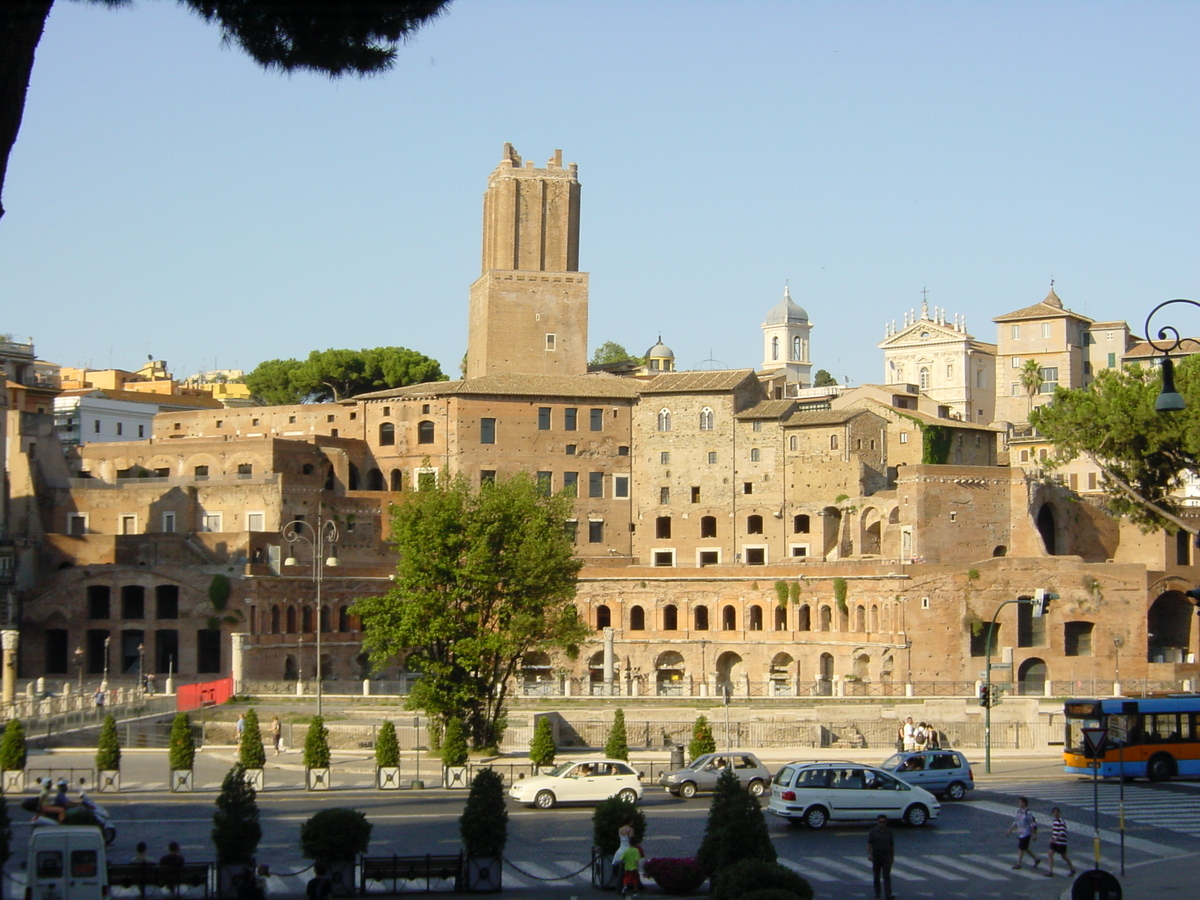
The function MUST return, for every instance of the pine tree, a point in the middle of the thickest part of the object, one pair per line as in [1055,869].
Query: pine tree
[541,748]
[702,739]
[454,746]
[108,748]
[316,745]
[617,746]
[236,829]
[736,828]
[182,752]
[12,746]
[387,748]
[251,754]
[483,825]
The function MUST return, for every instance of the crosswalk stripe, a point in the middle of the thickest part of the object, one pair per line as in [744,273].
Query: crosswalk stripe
[974,871]
[540,871]
[570,865]
[996,864]
[806,871]
[854,873]
[1113,837]
[900,865]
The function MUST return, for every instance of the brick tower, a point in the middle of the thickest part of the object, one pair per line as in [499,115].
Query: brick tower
[529,307]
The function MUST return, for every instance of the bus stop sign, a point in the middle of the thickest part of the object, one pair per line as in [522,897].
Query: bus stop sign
[1094,740]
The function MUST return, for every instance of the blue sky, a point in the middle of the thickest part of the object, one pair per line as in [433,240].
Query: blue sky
[167,197]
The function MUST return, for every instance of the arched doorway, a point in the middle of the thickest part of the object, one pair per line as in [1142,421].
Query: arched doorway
[780,676]
[669,672]
[730,671]
[825,675]
[537,674]
[290,671]
[1168,628]
[1045,527]
[1031,677]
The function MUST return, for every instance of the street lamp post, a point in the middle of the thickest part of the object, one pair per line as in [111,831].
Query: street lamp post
[104,682]
[1117,642]
[320,537]
[987,690]
[79,666]
[142,666]
[1169,399]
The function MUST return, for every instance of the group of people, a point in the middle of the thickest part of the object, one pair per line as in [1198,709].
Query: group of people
[276,732]
[628,861]
[919,736]
[53,803]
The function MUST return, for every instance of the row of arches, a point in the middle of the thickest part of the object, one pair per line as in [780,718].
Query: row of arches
[298,619]
[706,423]
[858,617]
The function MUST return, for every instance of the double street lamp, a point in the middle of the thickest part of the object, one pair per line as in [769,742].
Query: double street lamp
[320,536]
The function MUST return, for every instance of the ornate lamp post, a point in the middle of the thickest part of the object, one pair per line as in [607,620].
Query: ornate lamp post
[320,537]
[1117,642]
[1169,399]
[79,666]
[104,683]
[142,666]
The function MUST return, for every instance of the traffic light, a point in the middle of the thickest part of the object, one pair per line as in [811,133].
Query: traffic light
[985,698]
[1041,601]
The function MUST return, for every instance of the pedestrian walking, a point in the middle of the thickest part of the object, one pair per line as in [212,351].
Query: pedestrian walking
[277,735]
[241,727]
[151,687]
[625,833]
[99,698]
[881,851]
[1058,842]
[631,882]
[1026,827]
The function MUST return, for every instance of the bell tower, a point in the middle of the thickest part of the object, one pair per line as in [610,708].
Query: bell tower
[529,307]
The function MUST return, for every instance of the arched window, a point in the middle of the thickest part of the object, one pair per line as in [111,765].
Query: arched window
[826,618]
[874,618]
[754,524]
[306,619]
[701,618]
[662,527]
[637,619]
[756,618]
[344,619]
[706,419]
[603,616]
[708,526]
[291,620]
[781,618]
[860,619]
[793,443]
[923,378]
[664,420]
[352,478]
[833,442]
[774,348]
[796,349]
[387,435]
[275,619]
[425,432]
[728,619]
[375,480]
[670,618]
[803,618]
[397,479]
[800,524]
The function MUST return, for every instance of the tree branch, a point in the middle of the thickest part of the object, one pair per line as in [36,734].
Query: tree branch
[1111,474]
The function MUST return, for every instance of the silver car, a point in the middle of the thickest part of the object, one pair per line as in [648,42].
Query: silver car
[943,772]
[702,774]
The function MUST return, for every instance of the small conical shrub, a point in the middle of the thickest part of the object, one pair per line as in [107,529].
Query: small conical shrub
[182,752]
[735,830]
[108,748]
[387,748]
[12,746]
[250,751]
[702,739]
[236,829]
[316,745]
[617,745]
[541,748]
[483,825]
[454,744]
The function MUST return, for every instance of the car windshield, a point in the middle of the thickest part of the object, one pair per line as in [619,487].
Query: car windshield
[892,761]
[560,771]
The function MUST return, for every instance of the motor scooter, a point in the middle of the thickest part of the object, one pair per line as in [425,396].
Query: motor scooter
[97,812]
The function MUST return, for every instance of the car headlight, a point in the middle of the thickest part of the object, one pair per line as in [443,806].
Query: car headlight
[670,778]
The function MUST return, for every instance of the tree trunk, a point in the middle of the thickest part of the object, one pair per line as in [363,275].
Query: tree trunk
[21,26]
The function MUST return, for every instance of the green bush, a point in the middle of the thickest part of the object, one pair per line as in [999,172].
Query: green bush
[541,748]
[250,751]
[108,748]
[387,748]
[702,739]
[617,745]
[335,834]
[182,752]
[454,746]
[316,745]
[12,746]
[761,880]
[735,830]
[483,825]
[236,829]
[607,820]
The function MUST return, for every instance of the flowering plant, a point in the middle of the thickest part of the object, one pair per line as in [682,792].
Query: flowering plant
[675,876]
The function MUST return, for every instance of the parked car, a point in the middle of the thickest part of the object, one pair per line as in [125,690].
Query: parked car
[943,772]
[703,771]
[816,793]
[580,781]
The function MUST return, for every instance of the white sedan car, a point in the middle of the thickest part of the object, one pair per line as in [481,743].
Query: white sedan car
[582,781]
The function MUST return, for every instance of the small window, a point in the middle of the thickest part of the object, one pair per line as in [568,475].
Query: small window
[425,432]
[1045,329]
[755,455]
[662,528]
[200,471]
[1016,332]
[597,419]
[551,342]
[754,524]
[712,457]
[595,484]
[793,443]
[487,431]
[596,531]
[96,426]
[570,419]
[756,425]
[695,494]
[664,457]
[543,418]
[141,431]
[706,419]
[664,420]
[572,529]
[833,442]
[424,409]
[708,526]
[168,522]
[904,437]
[328,418]
[1016,362]
[545,483]
[487,476]
[664,558]
[747,487]
[637,619]
[623,450]
[245,470]
[291,420]
[621,487]
[800,524]
[120,428]
[571,448]
[664,496]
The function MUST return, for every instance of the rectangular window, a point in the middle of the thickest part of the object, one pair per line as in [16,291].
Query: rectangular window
[1014,389]
[712,457]
[98,601]
[95,426]
[904,437]
[487,476]
[623,450]
[570,418]
[596,531]
[551,340]
[1045,329]
[1016,362]
[755,454]
[1049,380]
[487,431]
[1016,332]
[77,523]
[545,483]
[168,522]
[621,487]
[664,558]
[543,418]
[141,431]
[572,528]
[747,487]
[664,457]
[210,521]
[664,495]
[571,448]
[166,601]
[128,524]
[1091,481]
[133,601]
[597,419]
[1112,360]
[255,521]
[200,472]
[245,470]
[595,484]
[571,483]
[208,650]
[695,494]
[120,428]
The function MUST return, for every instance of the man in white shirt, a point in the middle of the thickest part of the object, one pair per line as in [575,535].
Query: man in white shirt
[910,734]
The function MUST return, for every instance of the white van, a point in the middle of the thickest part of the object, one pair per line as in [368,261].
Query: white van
[66,863]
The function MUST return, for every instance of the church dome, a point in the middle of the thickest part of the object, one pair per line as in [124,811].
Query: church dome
[660,351]
[785,312]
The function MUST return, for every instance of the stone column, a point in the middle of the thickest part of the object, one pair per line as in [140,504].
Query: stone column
[609,661]
[237,662]
[8,641]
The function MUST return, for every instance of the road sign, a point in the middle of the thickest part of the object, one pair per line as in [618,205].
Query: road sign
[1007,665]
[1094,739]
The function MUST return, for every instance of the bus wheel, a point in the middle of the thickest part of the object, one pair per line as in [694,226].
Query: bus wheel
[1160,768]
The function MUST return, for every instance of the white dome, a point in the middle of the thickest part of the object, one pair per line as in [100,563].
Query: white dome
[785,312]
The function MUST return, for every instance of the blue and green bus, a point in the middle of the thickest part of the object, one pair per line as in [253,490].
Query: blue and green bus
[1153,737]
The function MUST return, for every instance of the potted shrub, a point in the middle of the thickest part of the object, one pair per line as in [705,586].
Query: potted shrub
[541,748]
[251,755]
[484,830]
[236,829]
[675,876]
[617,745]
[12,757]
[607,820]
[335,837]
[702,739]
[316,756]
[181,756]
[756,876]
[736,828]
[454,755]
[387,758]
[108,757]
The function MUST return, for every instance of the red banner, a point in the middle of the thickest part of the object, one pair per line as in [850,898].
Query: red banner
[208,693]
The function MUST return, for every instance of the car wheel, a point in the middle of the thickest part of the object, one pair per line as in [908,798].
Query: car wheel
[916,815]
[756,788]
[815,817]
[956,791]
[544,800]
[687,790]
[629,795]
[1160,767]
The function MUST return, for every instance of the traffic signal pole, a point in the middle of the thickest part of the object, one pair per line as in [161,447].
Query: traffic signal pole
[988,697]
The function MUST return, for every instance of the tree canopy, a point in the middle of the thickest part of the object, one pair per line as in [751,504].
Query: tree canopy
[333,37]
[824,379]
[1143,454]
[336,374]
[611,352]
[483,578]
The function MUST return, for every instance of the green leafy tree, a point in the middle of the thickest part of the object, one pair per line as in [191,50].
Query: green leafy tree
[1142,453]
[316,745]
[251,754]
[483,825]
[454,747]
[617,745]
[12,746]
[387,748]
[736,828]
[610,352]
[1031,379]
[484,578]
[541,748]
[108,747]
[336,374]
[824,379]
[348,37]
[702,739]
[236,829]
[182,752]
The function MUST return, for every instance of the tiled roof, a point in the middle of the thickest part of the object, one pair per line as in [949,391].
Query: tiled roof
[1051,307]
[1144,350]
[174,401]
[696,382]
[600,385]
[822,416]
[767,409]
[884,408]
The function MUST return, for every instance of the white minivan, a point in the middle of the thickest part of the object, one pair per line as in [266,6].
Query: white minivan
[66,863]
[815,793]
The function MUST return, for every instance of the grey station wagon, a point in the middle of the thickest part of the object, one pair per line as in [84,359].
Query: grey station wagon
[703,772]
[943,772]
